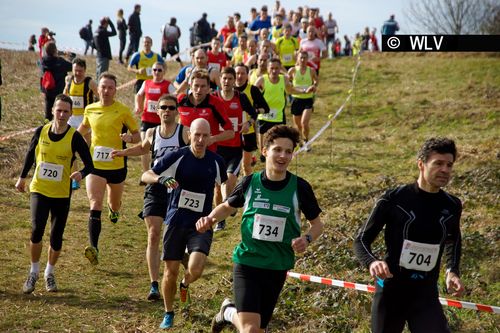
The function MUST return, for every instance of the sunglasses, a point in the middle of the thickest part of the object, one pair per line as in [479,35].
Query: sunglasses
[168,107]
[157,70]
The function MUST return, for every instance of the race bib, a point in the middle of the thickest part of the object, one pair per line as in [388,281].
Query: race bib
[270,115]
[419,256]
[77,102]
[330,31]
[268,228]
[50,171]
[287,57]
[149,71]
[234,121]
[192,200]
[152,106]
[102,154]
[214,65]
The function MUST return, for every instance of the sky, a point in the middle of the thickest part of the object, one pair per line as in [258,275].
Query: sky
[20,19]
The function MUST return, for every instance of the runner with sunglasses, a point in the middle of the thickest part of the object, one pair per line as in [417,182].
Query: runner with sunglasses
[168,136]
[146,101]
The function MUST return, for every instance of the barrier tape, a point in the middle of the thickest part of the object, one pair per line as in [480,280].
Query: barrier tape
[333,116]
[371,289]
[9,136]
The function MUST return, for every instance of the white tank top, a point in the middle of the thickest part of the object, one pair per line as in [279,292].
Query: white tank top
[162,145]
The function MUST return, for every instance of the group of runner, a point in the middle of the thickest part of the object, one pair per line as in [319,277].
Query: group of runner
[191,161]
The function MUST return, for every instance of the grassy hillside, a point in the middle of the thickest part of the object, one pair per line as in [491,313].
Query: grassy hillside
[399,101]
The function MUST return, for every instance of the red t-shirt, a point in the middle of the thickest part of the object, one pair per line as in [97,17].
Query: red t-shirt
[235,115]
[152,93]
[211,108]
[218,61]
[225,31]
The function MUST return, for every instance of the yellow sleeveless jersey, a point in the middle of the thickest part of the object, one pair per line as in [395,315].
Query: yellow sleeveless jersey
[53,165]
[81,95]
[107,123]
[274,94]
[145,62]
[302,81]
[286,49]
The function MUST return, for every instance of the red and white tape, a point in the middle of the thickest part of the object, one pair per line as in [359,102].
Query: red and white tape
[11,135]
[371,289]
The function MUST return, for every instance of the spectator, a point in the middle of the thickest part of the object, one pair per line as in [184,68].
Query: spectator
[44,38]
[89,42]
[58,67]
[32,43]
[214,31]
[202,30]
[373,41]
[331,29]
[336,48]
[170,40]
[101,42]
[347,46]
[121,26]
[365,39]
[390,26]
[134,31]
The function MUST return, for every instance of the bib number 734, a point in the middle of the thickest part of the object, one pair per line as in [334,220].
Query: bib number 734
[268,228]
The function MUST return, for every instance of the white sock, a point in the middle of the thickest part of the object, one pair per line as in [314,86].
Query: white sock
[35,267]
[49,269]
[229,313]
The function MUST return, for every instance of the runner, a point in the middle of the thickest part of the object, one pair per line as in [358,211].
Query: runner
[275,86]
[314,47]
[237,105]
[270,233]
[103,127]
[421,222]
[200,62]
[142,62]
[82,90]
[287,47]
[305,78]
[193,172]
[52,149]
[199,104]
[167,137]
[260,105]
[146,101]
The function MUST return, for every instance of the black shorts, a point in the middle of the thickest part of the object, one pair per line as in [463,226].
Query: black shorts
[301,104]
[177,238]
[232,157]
[112,176]
[264,126]
[138,85]
[257,290]
[145,125]
[155,200]
[250,142]
[414,302]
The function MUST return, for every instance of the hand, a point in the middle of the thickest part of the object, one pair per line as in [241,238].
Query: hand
[117,153]
[299,244]
[311,89]
[168,182]
[142,71]
[77,176]
[20,184]
[381,269]
[454,285]
[126,137]
[205,223]
[245,126]
[138,110]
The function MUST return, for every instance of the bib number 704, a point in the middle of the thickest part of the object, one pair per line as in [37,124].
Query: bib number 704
[420,258]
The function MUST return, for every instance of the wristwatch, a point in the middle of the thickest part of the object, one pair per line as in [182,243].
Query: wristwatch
[309,239]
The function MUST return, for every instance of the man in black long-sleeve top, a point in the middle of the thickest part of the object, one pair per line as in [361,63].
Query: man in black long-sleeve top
[101,41]
[134,31]
[421,222]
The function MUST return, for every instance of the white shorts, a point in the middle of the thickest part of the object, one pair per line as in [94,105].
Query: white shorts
[75,121]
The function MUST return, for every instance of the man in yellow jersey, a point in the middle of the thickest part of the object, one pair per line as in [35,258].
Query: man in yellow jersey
[82,90]
[303,77]
[287,46]
[240,52]
[142,62]
[275,86]
[262,62]
[53,149]
[104,128]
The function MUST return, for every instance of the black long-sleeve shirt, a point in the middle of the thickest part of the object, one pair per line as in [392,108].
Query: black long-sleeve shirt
[78,145]
[101,40]
[134,24]
[408,212]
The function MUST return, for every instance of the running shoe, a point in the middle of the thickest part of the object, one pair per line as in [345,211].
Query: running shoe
[50,283]
[168,320]
[220,226]
[218,321]
[154,293]
[113,216]
[75,185]
[184,297]
[92,255]
[29,285]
